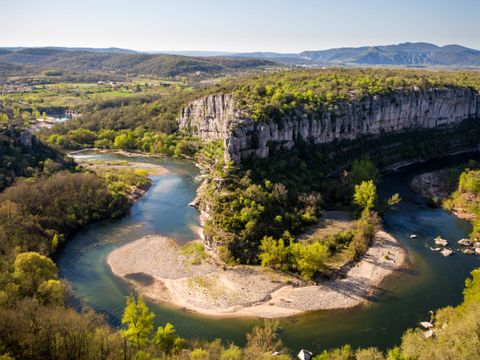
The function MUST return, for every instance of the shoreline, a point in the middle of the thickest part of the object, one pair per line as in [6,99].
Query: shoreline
[116,151]
[152,169]
[159,270]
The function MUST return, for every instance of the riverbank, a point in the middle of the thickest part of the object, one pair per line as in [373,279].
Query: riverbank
[442,184]
[159,269]
[151,168]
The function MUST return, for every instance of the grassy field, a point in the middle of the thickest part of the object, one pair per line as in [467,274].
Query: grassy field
[74,95]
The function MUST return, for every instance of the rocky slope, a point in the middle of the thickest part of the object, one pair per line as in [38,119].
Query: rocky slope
[220,117]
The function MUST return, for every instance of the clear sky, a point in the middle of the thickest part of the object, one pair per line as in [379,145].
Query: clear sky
[237,25]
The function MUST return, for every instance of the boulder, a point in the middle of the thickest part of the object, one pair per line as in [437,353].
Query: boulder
[440,241]
[426,325]
[446,252]
[465,242]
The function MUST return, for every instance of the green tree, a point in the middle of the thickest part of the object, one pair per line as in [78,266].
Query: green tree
[199,354]
[232,353]
[369,354]
[31,269]
[167,340]
[309,259]
[365,195]
[363,170]
[139,321]
[343,353]
[273,253]
[3,119]
[263,339]
[51,292]
[395,354]
[55,241]
[125,141]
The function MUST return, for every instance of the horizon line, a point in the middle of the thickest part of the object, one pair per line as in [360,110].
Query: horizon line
[222,51]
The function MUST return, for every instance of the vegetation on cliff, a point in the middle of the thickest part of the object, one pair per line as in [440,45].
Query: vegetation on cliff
[259,211]
[273,96]
[264,96]
[465,201]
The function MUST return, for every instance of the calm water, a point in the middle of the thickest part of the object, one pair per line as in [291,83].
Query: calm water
[432,281]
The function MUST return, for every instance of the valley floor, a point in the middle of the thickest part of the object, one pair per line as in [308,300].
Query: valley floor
[160,270]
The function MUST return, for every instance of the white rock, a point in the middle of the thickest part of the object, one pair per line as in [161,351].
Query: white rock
[220,117]
[465,242]
[426,325]
[446,252]
[440,241]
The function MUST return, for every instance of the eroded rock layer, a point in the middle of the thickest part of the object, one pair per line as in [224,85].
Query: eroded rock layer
[220,117]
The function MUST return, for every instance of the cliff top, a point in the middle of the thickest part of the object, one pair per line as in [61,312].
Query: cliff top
[272,95]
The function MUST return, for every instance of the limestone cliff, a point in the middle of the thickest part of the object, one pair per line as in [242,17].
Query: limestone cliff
[220,117]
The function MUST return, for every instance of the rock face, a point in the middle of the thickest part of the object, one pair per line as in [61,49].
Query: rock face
[210,118]
[26,138]
[219,117]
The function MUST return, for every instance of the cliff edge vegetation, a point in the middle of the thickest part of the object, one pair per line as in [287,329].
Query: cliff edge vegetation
[465,201]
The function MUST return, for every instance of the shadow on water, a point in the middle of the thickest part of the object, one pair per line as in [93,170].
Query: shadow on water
[431,281]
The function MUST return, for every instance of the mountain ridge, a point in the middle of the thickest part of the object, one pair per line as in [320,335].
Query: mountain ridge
[403,54]
[120,61]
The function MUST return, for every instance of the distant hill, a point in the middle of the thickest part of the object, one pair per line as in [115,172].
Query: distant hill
[121,61]
[12,69]
[406,54]
[193,53]
[112,50]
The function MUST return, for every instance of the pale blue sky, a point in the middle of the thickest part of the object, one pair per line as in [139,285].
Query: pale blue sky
[241,25]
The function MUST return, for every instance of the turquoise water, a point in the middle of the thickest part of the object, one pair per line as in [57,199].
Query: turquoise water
[432,281]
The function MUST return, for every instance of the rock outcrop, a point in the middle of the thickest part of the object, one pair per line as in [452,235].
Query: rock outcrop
[26,138]
[220,117]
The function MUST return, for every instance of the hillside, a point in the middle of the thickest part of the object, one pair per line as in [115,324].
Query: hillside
[23,155]
[405,54]
[118,61]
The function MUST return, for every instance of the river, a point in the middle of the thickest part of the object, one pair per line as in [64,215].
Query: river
[432,280]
